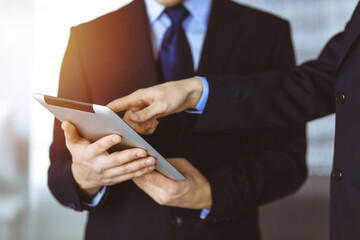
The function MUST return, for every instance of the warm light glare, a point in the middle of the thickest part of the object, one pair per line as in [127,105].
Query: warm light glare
[52,21]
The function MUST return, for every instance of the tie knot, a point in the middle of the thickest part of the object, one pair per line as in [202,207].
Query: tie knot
[177,14]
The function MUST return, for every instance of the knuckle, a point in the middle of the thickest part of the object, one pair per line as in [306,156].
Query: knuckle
[102,145]
[152,130]
[116,159]
[143,164]
[98,169]
[109,141]
[140,93]
[120,180]
[163,107]
[173,191]
[124,170]
[130,154]
[87,156]
[134,153]
[107,180]
[163,200]
[139,173]
[137,153]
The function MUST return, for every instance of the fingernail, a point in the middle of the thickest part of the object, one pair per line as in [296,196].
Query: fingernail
[135,117]
[148,125]
[141,154]
[115,139]
[149,161]
[151,168]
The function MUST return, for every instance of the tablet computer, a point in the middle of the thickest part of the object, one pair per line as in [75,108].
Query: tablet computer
[95,121]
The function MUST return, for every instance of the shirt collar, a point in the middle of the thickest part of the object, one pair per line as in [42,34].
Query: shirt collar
[199,9]
[154,10]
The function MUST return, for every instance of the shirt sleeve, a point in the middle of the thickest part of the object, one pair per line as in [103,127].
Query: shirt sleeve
[204,97]
[96,200]
[204,213]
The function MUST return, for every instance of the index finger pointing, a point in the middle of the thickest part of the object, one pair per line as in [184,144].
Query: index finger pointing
[147,113]
[126,103]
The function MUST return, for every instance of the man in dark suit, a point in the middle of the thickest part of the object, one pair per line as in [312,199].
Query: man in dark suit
[316,88]
[231,172]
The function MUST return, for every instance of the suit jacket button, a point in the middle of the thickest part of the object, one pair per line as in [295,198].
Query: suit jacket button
[340,97]
[337,175]
[178,221]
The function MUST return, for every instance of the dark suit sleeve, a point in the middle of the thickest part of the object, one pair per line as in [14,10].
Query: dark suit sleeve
[276,167]
[274,98]
[73,86]
[276,170]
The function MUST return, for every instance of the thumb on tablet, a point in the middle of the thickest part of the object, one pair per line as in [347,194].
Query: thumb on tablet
[145,114]
[70,133]
[126,103]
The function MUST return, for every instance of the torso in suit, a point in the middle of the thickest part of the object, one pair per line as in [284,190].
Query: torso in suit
[111,57]
[328,84]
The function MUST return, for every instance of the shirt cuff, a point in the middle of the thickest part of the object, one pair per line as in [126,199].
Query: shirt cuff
[96,200]
[204,213]
[204,97]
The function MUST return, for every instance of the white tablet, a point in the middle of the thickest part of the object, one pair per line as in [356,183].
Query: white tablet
[95,121]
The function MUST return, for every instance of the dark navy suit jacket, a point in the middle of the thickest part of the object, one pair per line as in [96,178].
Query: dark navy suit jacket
[112,56]
[326,85]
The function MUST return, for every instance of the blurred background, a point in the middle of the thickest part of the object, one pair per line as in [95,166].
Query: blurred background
[34,35]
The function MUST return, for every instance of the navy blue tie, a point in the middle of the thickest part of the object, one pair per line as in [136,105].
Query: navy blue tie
[175,59]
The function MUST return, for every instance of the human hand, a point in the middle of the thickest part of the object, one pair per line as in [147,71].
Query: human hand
[194,192]
[93,167]
[146,105]
[148,127]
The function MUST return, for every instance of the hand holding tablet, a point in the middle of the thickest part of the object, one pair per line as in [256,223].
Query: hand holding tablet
[94,167]
[95,122]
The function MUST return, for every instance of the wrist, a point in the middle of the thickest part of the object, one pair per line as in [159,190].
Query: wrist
[203,193]
[85,191]
[194,88]
[89,192]
[208,200]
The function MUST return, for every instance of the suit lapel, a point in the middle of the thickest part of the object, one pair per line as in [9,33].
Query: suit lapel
[351,35]
[138,49]
[220,38]
[143,70]
[124,60]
